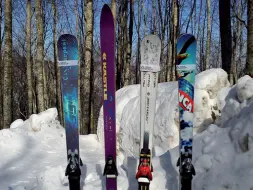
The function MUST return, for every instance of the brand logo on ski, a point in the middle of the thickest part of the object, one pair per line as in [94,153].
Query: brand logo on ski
[185,101]
[147,109]
[105,76]
[64,49]
[148,84]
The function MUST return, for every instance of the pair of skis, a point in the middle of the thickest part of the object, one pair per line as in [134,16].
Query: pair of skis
[186,66]
[69,69]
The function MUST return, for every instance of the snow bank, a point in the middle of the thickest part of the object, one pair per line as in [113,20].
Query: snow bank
[34,151]
[211,88]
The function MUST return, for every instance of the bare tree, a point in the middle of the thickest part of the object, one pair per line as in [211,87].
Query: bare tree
[129,44]
[29,57]
[1,68]
[39,57]
[86,97]
[249,63]
[226,37]
[163,23]
[114,12]
[120,47]
[173,39]
[208,41]
[137,68]
[126,59]
[7,85]
[57,71]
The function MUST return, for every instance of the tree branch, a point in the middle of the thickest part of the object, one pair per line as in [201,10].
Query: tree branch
[241,20]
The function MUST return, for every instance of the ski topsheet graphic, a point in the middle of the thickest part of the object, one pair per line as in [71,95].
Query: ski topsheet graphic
[107,40]
[68,64]
[150,58]
[186,66]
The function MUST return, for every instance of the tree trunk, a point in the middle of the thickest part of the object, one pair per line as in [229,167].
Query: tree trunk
[45,75]
[39,57]
[169,46]
[129,43]
[7,85]
[57,71]
[249,63]
[86,97]
[208,42]
[29,57]
[175,18]
[163,22]
[126,47]
[114,12]
[241,45]
[1,68]
[119,48]
[226,37]
[138,59]
[153,29]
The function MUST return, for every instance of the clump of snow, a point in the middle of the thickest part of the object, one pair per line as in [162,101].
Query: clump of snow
[202,109]
[37,120]
[212,81]
[17,123]
[244,88]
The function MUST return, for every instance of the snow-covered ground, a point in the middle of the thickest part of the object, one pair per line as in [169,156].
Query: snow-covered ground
[34,151]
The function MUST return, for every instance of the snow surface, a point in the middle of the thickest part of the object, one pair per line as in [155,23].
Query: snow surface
[34,151]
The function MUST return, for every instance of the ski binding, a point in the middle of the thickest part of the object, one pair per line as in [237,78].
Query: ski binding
[110,170]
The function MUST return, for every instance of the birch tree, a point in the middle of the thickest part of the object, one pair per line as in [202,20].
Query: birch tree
[86,97]
[208,41]
[29,57]
[39,57]
[7,83]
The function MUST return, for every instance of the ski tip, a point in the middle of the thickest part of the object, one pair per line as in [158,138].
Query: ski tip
[187,36]
[106,14]
[67,36]
[152,37]
[106,8]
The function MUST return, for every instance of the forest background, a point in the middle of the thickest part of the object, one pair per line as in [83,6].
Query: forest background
[29,75]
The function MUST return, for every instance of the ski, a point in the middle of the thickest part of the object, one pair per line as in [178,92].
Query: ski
[107,41]
[68,65]
[186,66]
[150,58]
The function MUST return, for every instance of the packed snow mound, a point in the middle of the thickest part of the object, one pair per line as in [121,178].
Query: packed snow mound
[34,151]
[208,101]
[212,81]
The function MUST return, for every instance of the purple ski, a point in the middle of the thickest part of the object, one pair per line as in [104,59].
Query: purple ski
[107,40]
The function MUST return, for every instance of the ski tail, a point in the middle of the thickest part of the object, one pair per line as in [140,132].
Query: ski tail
[186,67]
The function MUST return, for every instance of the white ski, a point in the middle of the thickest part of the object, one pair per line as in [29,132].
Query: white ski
[150,58]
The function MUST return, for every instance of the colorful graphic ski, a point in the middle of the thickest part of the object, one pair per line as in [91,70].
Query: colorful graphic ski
[150,58]
[68,64]
[186,66]
[107,40]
